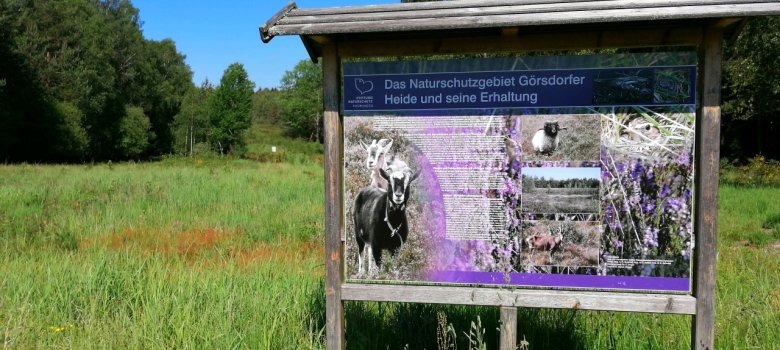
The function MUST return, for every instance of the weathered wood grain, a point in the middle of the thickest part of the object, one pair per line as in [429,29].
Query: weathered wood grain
[466,4]
[417,6]
[264,35]
[525,41]
[555,299]
[508,329]
[297,17]
[706,200]
[529,19]
[334,253]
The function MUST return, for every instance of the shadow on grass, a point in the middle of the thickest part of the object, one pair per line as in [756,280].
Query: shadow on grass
[374,325]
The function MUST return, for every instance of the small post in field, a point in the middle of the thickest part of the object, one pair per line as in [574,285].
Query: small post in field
[508,328]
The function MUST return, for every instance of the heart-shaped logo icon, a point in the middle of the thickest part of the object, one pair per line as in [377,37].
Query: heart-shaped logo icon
[364,86]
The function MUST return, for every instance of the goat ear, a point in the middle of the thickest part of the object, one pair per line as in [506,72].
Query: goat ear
[384,174]
[414,176]
[389,144]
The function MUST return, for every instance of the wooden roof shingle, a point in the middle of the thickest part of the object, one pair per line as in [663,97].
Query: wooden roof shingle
[463,15]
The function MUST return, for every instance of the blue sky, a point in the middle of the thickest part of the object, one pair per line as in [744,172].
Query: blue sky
[213,34]
[563,173]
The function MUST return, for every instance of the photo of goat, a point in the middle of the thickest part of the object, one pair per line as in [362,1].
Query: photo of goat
[376,161]
[560,137]
[380,214]
[385,205]
[569,244]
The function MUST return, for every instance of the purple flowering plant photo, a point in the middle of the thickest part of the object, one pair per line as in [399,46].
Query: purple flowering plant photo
[646,196]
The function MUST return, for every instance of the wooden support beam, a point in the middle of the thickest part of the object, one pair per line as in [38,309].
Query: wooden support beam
[535,298]
[706,203]
[511,41]
[508,328]
[334,253]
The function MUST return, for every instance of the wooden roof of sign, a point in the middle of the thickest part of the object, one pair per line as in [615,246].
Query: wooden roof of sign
[463,19]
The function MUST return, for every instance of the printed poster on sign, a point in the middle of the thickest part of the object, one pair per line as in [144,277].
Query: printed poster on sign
[572,172]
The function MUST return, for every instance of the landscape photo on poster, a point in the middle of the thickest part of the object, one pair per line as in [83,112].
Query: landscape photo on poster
[561,172]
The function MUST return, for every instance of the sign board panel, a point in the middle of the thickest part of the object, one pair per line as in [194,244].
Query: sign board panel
[549,171]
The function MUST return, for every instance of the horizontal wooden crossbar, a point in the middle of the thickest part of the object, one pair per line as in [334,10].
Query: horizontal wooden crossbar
[556,299]
[519,41]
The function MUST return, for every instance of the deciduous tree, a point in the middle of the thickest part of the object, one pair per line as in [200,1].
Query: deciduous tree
[301,105]
[229,109]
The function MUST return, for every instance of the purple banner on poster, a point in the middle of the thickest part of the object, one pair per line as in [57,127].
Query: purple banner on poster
[468,90]
[667,284]
[506,89]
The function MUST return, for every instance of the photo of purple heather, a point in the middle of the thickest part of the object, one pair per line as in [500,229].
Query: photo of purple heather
[647,192]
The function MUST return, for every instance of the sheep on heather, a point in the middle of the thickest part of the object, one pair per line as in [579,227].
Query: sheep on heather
[546,140]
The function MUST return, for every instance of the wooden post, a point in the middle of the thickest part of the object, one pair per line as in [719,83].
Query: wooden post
[707,167]
[334,262]
[508,328]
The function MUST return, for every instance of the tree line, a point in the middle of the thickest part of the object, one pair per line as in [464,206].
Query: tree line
[533,182]
[79,82]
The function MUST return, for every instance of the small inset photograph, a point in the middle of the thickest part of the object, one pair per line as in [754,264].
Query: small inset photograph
[647,134]
[673,85]
[622,86]
[560,190]
[574,137]
[388,216]
[561,243]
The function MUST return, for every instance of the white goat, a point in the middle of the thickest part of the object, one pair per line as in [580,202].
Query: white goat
[375,161]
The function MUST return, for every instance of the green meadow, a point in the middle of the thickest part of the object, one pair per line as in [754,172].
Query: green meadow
[218,253]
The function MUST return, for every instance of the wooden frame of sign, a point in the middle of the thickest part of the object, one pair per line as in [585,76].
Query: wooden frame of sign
[390,33]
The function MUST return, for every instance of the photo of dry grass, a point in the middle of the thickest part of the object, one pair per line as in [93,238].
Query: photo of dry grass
[576,137]
[560,190]
[560,243]
[644,133]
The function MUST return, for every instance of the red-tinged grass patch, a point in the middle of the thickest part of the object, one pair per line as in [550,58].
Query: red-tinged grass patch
[189,244]
[208,247]
[284,252]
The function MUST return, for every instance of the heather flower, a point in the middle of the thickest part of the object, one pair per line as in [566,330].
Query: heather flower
[673,205]
[665,190]
[634,199]
[686,253]
[685,157]
[649,174]
[648,205]
[651,237]
[637,169]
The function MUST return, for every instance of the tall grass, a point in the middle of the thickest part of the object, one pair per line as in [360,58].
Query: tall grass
[186,253]
[215,253]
